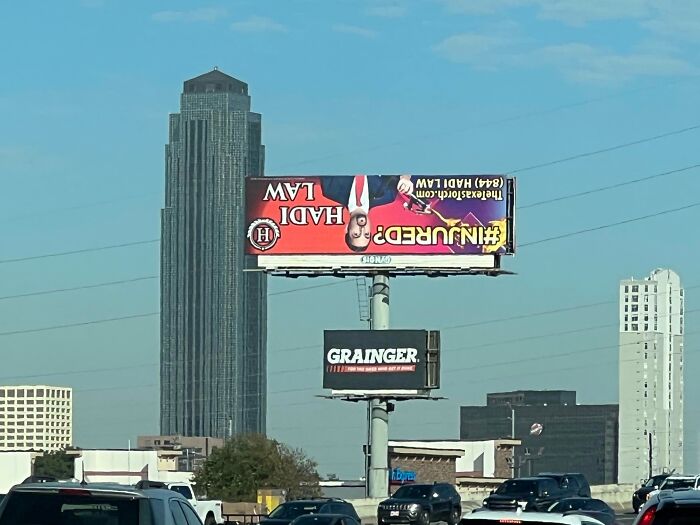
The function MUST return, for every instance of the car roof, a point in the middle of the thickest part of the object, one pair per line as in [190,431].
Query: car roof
[323,514]
[319,501]
[530,478]
[106,488]
[683,477]
[524,517]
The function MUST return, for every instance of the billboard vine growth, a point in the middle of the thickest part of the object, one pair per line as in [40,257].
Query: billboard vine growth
[372,218]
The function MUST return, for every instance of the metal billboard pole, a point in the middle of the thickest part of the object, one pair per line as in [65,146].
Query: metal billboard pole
[378,479]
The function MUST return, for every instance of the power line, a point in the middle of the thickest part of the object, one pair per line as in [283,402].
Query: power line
[312,287]
[75,372]
[549,356]
[75,288]
[480,125]
[609,187]
[83,250]
[610,225]
[527,316]
[84,323]
[605,150]
[137,279]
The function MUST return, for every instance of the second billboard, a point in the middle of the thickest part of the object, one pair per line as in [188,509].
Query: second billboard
[381,360]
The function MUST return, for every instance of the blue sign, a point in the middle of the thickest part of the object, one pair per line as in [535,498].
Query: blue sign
[402,476]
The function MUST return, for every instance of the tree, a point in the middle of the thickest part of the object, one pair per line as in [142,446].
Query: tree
[247,463]
[57,464]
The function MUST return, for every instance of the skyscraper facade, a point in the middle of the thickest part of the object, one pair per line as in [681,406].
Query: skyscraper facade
[213,313]
[651,376]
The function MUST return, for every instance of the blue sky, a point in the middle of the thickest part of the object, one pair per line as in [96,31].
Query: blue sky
[433,86]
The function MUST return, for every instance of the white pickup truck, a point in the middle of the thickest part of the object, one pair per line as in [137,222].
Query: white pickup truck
[210,511]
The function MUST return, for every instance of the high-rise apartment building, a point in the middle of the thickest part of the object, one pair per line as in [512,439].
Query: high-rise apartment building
[651,375]
[213,313]
[38,417]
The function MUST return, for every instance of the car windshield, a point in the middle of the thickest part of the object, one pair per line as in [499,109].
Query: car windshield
[656,480]
[314,520]
[569,504]
[34,508]
[673,484]
[289,511]
[517,487]
[413,492]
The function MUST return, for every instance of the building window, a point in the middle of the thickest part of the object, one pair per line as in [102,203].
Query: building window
[646,327]
[635,327]
[627,288]
[626,308]
[635,288]
[635,298]
[626,318]
[635,318]
[626,327]
[635,308]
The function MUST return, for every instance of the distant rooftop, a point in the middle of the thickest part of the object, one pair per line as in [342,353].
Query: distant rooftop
[215,82]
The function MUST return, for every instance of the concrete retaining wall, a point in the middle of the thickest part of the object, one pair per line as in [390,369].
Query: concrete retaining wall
[619,497]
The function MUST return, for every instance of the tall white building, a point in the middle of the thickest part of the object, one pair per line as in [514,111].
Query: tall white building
[651,376]
[38,417]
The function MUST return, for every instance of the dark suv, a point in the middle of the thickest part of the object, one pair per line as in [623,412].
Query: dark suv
[640,495]
[679,507]
[94,503]
[287,512]
[537,493]
[422,505]
[572,484]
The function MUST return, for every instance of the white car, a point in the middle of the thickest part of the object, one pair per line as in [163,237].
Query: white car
[209,511]
[498,517]
[676,482]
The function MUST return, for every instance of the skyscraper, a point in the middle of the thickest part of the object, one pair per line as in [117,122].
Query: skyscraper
[213,313]
[651,375]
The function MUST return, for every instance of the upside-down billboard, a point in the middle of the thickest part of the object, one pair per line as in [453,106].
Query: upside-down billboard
[375,215]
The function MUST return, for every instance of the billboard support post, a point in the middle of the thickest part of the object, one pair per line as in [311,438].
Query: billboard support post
[378,480]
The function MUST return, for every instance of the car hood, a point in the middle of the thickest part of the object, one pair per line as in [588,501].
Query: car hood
[274,521]
[510,497]
[403,501]
[643,491]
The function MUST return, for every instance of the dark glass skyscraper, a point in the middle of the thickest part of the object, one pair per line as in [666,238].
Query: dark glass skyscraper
[213,314]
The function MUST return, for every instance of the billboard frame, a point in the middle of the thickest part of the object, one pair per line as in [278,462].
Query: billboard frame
[392,265]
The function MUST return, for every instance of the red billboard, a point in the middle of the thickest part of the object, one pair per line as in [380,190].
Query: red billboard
[376,218]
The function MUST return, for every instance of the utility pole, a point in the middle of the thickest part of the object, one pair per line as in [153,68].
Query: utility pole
[378,480]
[651,456]
[512,437]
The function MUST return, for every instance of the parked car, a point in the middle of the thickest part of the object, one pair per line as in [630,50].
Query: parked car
[640,495]
[594,508]
[677,482]
[74,503]
[325,519]
[571,483]
[421,504]
[209,511]
[536,493]
[499,517]
[668,507]
[288,511]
